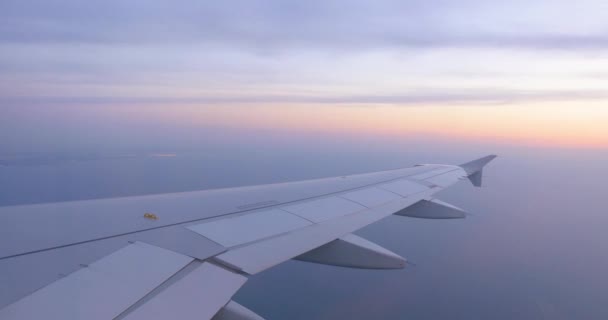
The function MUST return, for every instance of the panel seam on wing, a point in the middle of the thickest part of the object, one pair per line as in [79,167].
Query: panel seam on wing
[337,193]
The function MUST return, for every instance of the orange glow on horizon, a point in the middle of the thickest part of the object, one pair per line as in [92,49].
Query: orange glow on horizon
[532,124]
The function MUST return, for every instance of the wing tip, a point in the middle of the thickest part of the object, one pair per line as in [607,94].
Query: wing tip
[477,165]
[474,169]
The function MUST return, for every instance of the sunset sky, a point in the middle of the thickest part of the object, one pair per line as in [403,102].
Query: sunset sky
[121,98]
[523,72]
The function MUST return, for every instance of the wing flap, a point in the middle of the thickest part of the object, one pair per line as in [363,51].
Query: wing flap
[200,293]
[103,289]
[235,311]
[24,275]
[261,255]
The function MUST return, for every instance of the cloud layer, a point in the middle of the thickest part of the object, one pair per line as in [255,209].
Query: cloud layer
[414,52]
[276,24]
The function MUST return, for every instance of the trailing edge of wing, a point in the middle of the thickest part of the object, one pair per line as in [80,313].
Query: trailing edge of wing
[432,209]
[235,311]
[261,255]
[103,289]
[203,291]
[354,252]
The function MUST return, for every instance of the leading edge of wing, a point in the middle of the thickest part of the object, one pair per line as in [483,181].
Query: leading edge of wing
[33,228]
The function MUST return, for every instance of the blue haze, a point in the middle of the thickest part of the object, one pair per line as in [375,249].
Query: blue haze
[534,246]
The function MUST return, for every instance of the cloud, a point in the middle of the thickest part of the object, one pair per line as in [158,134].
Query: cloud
[428,98]
[330,25]
[320,52]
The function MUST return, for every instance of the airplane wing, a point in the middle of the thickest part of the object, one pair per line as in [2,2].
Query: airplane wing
[184,255]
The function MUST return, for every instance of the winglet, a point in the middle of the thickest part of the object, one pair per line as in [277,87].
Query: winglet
[474,169]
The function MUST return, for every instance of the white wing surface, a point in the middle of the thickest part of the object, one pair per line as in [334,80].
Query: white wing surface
[184,255]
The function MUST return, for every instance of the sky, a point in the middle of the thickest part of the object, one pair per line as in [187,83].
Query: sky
[119,98]
[155,73]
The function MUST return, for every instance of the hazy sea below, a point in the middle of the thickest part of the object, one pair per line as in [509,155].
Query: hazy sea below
[535,245]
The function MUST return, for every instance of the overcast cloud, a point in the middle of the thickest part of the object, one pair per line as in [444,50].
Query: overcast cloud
[317,51]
